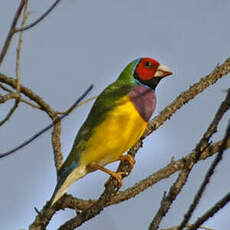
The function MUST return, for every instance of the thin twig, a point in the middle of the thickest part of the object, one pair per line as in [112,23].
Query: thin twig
[80,104]
[171,196]
[187,226]
[11,31]
[182,178]
[43,16]
[92,210]
[47,127]
[56,143]
[220,204]
[211,212]
[212,128]
[30,94]
[9,114]
[13,95]
[6,89]
[25,16]
[17,100]
[7,97]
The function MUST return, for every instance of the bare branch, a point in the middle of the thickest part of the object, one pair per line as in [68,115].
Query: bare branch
[165,173]
[187,226]
[17,101]
[47,127]
[9,114]
[6,89]
[220,204]
[172,194]
[80,104]
[68,201]
[30,94]
[11,31]
[13,95]
[204,141]
[182,178]
[211,212]
[7,97]
[45,107]
[39,19]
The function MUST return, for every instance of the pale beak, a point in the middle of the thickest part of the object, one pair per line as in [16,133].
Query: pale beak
[162,71]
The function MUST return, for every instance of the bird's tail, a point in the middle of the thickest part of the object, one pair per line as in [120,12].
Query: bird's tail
[65,180]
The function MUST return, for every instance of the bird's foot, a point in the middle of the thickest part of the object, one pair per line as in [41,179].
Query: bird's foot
[115,175]
[128,158]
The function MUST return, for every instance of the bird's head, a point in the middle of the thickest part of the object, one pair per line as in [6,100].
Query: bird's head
[149,71]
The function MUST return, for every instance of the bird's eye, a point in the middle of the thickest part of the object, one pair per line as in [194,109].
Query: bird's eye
[148,64]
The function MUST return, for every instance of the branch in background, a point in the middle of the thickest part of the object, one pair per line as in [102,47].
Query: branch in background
[77,221]
[14,95]
[25,17]
[49,126]
[9,114]
[45,107]
[14,30]
[7,97]
[68,201]
[6,89]
[212,128]
[172,194]
[78,105]
[30,94]
[17,100]
[182,178]
[187,226]
[211,212]
[39,19]
[165,172]
[11,31]
[210,172]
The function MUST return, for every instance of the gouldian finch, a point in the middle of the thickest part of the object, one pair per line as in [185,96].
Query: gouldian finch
[116,121]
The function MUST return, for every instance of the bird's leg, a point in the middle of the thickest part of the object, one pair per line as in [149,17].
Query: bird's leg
[116,175]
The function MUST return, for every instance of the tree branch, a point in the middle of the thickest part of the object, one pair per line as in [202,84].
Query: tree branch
[11,31]
[68,201]
[203,143]
[182,178]
[210,172]
[17,100]
[43,16]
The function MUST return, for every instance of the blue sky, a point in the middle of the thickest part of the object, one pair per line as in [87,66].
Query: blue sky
[84,42]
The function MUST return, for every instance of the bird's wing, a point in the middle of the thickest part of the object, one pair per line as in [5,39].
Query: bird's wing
[103,104]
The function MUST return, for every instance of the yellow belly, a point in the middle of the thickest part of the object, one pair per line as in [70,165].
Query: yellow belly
[120,130]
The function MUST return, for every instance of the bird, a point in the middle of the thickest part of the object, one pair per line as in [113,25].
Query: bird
[116,121]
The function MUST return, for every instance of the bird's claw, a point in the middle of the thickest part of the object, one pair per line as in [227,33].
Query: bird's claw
[118,177]
[128,158]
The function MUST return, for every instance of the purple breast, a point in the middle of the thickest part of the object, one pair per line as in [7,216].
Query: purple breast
[144,100]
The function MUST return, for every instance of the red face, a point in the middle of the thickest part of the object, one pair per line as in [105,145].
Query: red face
[147,68]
